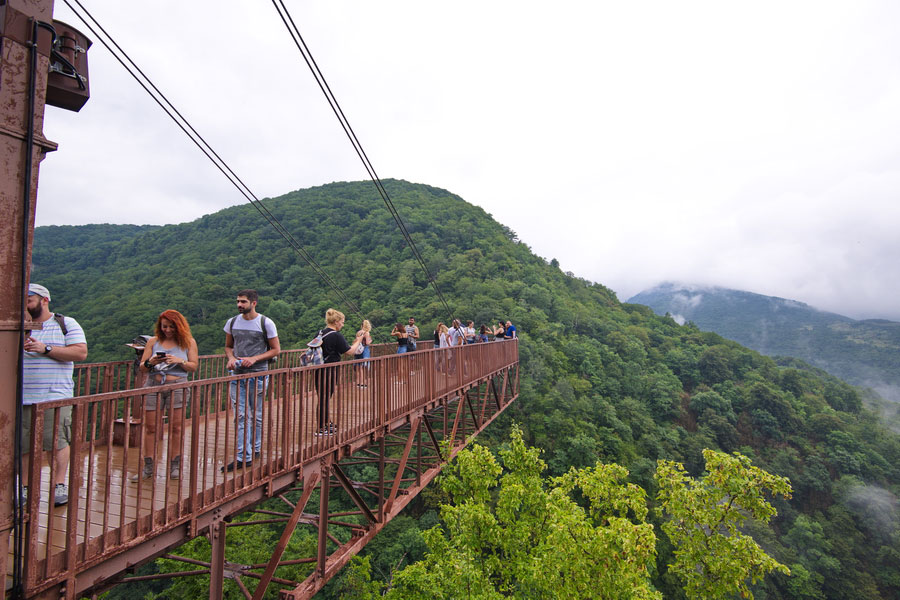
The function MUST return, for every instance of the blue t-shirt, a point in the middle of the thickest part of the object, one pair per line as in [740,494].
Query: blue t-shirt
[510,332]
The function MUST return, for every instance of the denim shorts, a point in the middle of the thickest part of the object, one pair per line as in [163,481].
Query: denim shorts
[175,398]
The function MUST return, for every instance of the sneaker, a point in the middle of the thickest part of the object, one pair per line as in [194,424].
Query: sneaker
[23,500]
[175,468]
[60,494]
[146,472]
[236,464]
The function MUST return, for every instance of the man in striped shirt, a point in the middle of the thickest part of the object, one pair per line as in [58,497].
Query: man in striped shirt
[49,360]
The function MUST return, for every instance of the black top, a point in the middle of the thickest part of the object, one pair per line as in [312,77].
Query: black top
[333,345]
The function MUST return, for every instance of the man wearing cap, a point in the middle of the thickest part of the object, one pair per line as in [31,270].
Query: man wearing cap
[49,361]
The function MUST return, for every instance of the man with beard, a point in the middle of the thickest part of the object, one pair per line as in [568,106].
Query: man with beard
[49,361]
[251,341]
[412,335]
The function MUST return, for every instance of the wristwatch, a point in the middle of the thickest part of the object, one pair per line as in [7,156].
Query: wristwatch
[47,349]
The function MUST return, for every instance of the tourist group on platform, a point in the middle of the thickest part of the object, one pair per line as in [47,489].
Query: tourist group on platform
[251,345]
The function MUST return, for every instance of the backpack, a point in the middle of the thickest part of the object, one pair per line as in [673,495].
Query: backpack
[262,325]
[61,319]
[313,354]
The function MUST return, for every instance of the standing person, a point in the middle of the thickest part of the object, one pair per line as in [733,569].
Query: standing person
[251,341]
[457,336]
[399,332]
[499,331]
[49,361]
[442,340]
[412,334]
[364,350]
[333,346]
[443,336]
[470,332]
[168,358]
[483,333]
[510,330]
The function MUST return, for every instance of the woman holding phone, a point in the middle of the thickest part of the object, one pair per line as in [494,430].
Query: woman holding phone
[168,358]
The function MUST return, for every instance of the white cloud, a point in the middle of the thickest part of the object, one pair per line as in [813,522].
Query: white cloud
[746,145]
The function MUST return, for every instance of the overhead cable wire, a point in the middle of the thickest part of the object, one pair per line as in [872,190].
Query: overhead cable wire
[147,84]
[348,130]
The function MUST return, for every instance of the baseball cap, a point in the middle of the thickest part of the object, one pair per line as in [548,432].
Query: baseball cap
[38,289]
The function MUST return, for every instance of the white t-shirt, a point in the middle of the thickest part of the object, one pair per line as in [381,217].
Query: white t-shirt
[455,334]
[248,339]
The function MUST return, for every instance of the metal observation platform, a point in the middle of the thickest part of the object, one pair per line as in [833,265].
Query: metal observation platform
[403,415]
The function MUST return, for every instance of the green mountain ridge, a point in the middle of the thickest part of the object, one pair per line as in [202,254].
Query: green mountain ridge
[862,352]
[599,380]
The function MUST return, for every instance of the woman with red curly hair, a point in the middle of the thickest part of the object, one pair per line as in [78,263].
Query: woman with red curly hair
[168,358]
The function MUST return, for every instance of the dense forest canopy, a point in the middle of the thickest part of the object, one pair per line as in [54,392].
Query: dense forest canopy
[864,353]
[600,380]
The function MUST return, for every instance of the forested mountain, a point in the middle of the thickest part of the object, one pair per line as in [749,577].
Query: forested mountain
[864,353]
[600,380]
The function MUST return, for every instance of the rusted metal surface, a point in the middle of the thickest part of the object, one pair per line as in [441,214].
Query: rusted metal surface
[68,86]
[111,523]
[22,146]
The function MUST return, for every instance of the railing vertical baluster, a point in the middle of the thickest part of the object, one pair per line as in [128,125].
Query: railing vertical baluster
[92,413]
[34,495]
[196,458]
[398,386]
[51,513]
[75,461]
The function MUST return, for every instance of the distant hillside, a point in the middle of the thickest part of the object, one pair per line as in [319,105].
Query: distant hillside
[599,380]
[865,353]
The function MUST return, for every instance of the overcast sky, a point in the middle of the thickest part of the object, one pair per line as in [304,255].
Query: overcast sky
[753,145]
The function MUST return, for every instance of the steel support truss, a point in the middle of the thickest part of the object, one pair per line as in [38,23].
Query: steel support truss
[407,455]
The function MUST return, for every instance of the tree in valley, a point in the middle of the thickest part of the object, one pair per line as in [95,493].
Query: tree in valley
[509,532]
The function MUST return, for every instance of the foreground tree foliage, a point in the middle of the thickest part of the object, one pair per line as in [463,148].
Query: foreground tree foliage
[508,532]
[712,556]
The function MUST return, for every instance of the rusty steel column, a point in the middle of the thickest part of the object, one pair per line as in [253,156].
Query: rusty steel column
[19,115]
[217,559]
[322,554]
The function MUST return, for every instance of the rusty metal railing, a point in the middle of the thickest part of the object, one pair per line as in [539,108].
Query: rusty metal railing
[114,376]
[108,513]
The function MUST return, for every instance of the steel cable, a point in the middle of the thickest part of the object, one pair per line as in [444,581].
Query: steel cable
[357,146]
[147,84]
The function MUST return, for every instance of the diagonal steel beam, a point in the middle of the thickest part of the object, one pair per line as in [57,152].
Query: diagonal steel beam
[351,491]
[459,413]
[285,537]
[475,419]
[484,401]
[395,488]
[434,440]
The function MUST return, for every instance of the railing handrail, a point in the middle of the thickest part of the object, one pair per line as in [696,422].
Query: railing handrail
[111,376]
[288,443]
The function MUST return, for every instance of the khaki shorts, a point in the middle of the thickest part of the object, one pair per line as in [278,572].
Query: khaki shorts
[63,436]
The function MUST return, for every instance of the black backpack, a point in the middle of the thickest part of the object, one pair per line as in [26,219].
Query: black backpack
[61,319]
